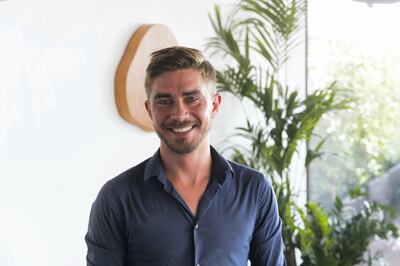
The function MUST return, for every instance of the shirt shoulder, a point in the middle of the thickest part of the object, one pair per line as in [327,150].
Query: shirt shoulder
[128,180]
[247,179]
[245,172]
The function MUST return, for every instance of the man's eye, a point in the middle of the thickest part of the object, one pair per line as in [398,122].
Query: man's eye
[192,99]
[162,102]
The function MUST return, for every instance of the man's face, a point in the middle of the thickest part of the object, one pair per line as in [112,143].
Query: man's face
[181,108]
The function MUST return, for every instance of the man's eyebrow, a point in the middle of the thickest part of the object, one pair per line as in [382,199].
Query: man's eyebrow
[162,95]
[193,92]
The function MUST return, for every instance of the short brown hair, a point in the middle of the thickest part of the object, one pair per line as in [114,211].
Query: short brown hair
[177,58]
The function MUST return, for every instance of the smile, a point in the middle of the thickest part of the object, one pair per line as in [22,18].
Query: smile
[181,129]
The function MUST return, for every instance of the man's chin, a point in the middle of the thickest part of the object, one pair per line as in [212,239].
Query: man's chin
[181,148]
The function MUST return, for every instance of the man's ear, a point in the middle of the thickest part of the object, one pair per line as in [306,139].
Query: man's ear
[216,102]
[148,109]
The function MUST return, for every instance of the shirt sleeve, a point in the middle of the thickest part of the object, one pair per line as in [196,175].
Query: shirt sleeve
[105,238]
[266,247]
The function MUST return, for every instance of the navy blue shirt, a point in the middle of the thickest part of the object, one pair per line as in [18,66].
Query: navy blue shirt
[139,219]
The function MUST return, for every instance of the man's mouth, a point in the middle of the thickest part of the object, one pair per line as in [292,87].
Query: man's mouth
[181,129]
[181,126]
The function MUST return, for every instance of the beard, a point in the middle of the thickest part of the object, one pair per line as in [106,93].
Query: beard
[183,145]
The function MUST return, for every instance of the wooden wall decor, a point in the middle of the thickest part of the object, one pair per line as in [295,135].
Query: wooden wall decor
[130,93]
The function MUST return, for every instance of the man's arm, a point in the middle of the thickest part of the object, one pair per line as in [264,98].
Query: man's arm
[105,238]
[266,247]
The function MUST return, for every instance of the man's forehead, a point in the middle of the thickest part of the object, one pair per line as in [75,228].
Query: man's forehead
[183,92]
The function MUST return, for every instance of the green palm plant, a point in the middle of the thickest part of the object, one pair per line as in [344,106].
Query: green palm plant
[268,30]
[258,36]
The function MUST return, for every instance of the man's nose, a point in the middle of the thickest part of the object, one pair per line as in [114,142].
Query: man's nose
[179,111]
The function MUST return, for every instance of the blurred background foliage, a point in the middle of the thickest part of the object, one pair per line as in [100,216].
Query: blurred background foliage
[363,140]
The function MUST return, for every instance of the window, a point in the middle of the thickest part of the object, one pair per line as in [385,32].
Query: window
[357,46]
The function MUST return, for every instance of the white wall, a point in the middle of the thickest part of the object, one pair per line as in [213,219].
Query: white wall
[61,137]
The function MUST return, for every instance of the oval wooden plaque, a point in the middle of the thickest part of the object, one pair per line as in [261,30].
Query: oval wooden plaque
[130,93]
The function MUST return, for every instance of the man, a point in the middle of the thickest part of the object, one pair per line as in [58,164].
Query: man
[186,205]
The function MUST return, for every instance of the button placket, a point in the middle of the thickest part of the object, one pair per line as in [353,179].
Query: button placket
[196,244]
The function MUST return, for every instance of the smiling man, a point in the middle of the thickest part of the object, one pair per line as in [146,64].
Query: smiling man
[186,205]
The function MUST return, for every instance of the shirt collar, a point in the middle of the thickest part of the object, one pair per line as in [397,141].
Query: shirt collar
[154,168]
[221,168]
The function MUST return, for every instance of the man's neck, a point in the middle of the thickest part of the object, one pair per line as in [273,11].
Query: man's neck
[189,168]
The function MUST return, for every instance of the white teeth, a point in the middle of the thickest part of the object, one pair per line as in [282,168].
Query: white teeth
[183,129]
